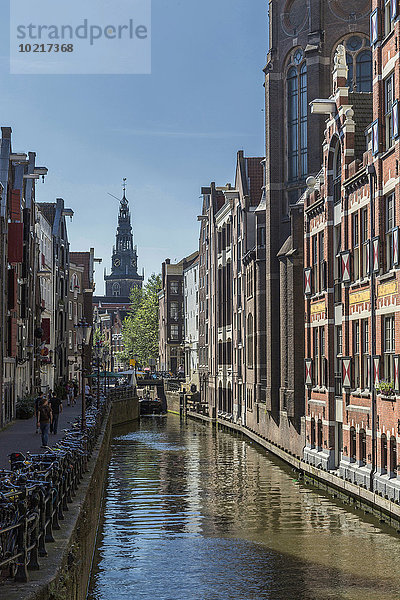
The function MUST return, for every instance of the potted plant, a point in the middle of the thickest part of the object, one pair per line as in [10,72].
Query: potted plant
[385,388]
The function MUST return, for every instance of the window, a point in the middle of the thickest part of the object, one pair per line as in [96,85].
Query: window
[313,433]
[359,63]
[365,242]
[174,332]
[174,287]
[261,237]
[389,99]
[116,289]
[388,344]
[364,71]
[70,340]
[365,351]
[174,311]
[319,434]
[363,446]
[315,355]
[356,247]
[322,270]
[388,18]
[337,174]
[353,444]
[296,82]
[70,311]
[389,225]
[322,361]
[250,341]
[356,352]
[384,452]
[393,455]
[314,250]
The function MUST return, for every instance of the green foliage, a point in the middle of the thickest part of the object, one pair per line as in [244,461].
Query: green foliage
[386,388]
[25,407]
[140,329]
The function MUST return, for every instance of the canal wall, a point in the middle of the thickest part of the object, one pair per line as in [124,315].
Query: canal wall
[349,493]
[64,573]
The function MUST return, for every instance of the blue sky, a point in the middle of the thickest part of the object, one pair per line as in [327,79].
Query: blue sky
[168,133]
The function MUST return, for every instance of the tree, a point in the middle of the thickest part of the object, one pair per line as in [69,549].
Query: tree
[140,328]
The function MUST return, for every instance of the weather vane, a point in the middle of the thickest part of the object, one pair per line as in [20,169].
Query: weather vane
[124,185]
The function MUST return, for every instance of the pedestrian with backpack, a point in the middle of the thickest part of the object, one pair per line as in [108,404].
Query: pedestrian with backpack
[56,409]
[45,418]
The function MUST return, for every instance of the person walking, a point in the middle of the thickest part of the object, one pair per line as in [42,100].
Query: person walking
[38,402]
[45,418]
[56,409]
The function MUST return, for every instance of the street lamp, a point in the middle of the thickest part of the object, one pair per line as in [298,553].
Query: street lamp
[84,331]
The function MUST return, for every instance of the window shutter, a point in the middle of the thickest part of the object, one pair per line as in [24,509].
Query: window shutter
[377,360]
[46,331]
[375,254]
[395,246]
[368,257]
[12,289]
[346,371]
[307,281]
[375,137]
[396,378]
[374,27]
[308,372]
[395,119]
[15,242]
[346,274]
[369,372]
[15,205]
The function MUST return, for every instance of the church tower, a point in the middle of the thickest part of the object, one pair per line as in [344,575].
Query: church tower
[124,275]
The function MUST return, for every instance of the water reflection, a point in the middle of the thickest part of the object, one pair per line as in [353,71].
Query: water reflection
[191,513]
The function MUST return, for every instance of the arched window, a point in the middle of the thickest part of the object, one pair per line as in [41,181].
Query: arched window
[384,452]
[319,433]
[359,63]
[116,289]
[363,446]
[353,444]
[313,433]
[364,71]
[297,104]
[393,455]
[250,341]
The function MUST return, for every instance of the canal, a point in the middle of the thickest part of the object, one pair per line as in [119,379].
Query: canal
[191,513]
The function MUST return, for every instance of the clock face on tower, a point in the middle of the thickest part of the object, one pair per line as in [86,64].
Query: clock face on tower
[117,262]
[350,11]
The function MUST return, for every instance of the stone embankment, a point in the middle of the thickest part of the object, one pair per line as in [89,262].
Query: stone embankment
[64,573]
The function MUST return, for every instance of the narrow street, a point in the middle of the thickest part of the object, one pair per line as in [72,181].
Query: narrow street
[21,436]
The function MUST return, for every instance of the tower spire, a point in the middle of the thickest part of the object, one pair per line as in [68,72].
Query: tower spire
[124,186]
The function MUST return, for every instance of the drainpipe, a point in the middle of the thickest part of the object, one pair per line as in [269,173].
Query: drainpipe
[372,174]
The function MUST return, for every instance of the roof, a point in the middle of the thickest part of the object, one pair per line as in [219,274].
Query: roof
[82,259]
[48,209]
[362,106]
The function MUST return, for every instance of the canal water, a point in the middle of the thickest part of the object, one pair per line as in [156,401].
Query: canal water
[191,513]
